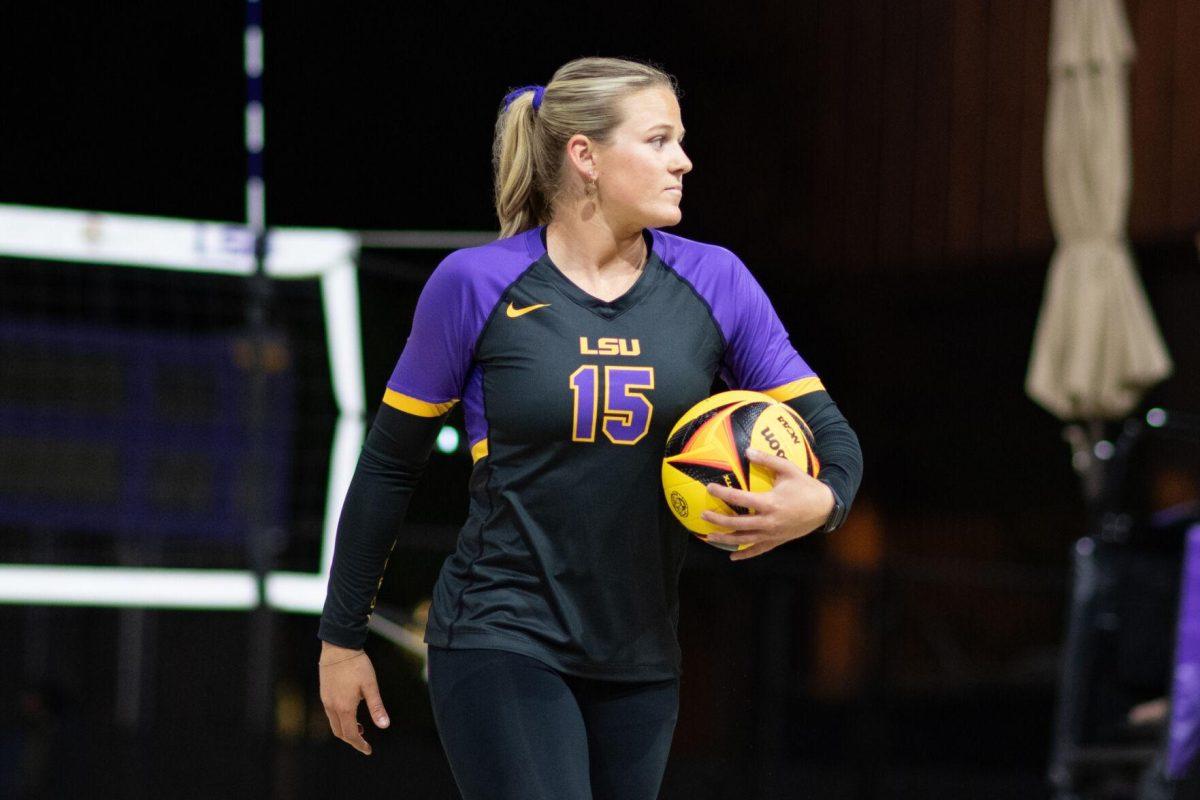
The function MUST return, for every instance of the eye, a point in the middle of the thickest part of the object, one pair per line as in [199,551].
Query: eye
[658,140]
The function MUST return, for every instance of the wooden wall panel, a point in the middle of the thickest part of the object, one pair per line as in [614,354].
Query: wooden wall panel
[1152,22]
[1033,215]
[967,127]
[1184,211]
[803,62]
[862,107]
[931,145]
[827,196]
[898,134]
[1002,137]
[925,143]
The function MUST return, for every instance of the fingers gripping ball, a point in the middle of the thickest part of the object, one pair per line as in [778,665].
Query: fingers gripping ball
[708,445]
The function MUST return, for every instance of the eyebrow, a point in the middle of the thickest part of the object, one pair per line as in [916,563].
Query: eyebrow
[682,131]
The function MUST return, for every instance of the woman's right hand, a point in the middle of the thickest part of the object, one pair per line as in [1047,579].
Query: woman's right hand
[348,677]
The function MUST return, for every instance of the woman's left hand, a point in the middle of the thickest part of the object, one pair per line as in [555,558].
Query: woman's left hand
[795,506]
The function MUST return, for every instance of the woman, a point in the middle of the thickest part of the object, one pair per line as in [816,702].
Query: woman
[575,341]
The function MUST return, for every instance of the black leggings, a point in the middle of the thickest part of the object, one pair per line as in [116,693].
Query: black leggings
[515,729]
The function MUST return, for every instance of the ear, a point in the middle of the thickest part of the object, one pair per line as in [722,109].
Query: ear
[581,155]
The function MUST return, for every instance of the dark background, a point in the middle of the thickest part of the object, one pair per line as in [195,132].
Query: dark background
[879,167]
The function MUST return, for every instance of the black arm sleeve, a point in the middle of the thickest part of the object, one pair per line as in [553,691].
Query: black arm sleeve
[389,466]
[835,442]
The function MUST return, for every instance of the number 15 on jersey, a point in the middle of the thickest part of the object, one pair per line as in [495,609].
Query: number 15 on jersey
[627,410]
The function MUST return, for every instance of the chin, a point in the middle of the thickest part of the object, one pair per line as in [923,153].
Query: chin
[665,218]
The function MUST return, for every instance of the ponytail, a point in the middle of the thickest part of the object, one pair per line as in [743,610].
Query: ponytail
[520,203]
[533,127]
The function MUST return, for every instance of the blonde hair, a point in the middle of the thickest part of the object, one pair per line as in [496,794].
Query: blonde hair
[528,151]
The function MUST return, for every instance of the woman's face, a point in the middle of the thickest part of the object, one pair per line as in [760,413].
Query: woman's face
[639,171]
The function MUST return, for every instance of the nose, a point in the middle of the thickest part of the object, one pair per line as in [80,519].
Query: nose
[683,164]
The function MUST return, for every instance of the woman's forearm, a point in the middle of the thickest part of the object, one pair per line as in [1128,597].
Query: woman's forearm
[389,468]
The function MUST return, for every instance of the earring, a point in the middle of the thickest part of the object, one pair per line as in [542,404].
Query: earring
[590,184]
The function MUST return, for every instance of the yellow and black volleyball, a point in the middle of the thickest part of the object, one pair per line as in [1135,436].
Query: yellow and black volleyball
[708,445]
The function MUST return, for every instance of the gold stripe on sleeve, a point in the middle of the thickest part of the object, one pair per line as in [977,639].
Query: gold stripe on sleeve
[796,389]
[412,405]
[479,450]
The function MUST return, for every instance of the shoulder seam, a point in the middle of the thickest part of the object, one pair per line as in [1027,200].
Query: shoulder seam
[707,306]
[496,307]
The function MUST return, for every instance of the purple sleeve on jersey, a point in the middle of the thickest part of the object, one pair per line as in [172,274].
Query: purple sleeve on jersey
[437,355]
[758,354]
[472,403]
[451,312]
[1185,711]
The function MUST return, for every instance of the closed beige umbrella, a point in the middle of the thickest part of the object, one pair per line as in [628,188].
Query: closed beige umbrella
[1097,347]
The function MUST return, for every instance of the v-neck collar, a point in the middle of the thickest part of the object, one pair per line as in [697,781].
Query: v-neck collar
[608,309]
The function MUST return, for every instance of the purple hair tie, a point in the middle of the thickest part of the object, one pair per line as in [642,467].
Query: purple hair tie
[538,91]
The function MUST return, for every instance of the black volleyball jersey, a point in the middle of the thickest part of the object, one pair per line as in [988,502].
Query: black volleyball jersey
[568,553]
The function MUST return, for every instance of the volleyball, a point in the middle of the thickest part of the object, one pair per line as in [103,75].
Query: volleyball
[708,445]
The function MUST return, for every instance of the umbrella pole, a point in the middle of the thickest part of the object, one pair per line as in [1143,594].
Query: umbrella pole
[1088,464]
[1074,676]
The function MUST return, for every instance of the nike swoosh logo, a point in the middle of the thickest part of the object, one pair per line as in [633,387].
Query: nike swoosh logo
[516,312]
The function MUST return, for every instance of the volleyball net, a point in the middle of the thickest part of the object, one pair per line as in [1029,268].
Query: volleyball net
[173,418]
